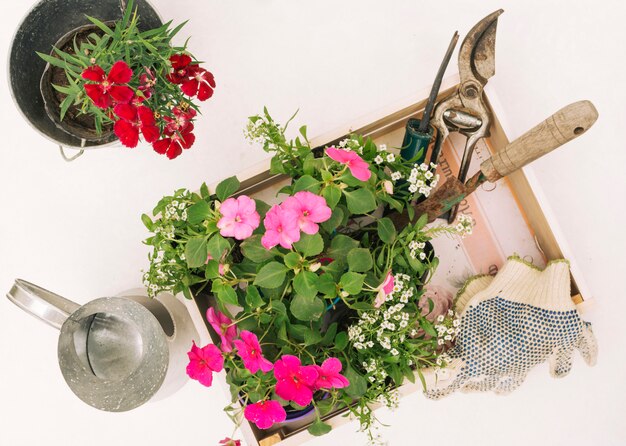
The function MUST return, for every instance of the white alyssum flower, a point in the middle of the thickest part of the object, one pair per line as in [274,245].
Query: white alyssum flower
[378,159]
[391,158]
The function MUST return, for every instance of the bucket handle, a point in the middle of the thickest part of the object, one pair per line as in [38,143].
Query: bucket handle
[41,303]
[71,158]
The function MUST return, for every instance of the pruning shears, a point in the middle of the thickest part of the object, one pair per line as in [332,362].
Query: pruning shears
[464,111]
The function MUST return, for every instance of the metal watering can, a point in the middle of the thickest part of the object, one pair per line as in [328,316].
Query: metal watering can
[115,353]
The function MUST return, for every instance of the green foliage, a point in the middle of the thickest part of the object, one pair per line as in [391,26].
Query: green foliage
[291,297]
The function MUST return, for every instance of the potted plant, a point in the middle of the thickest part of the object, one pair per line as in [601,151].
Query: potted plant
[319,299]
[115,79]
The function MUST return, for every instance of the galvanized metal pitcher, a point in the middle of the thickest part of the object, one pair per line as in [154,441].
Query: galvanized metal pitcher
[115,353]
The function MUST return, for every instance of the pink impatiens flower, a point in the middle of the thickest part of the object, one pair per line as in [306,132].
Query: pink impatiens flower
[329,376]
[203,362]
[311,209]
[239,217]
[358,168]
[250,352]
[230,442]
[385,289]
[265,413]
[281,228]
[293,381]
[224,327]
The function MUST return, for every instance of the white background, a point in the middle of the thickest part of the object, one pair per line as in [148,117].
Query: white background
[75,228]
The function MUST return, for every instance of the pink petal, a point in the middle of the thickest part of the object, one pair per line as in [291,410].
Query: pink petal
[229,208]
[388,284]
[308,227]
[242,231]
[309,375]
[269,239]
[360,173]
[120,73]
[265,365]
[338,155]
[304,395]
[331,366]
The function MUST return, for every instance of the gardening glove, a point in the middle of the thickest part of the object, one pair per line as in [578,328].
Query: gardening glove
[512,322]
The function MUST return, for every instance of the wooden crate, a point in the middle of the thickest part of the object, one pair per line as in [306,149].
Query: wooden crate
[517,205]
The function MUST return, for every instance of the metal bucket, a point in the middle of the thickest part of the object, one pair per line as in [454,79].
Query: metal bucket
[116,353]
[42,27]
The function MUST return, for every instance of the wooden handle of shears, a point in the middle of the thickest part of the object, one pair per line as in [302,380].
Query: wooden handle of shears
[563,126]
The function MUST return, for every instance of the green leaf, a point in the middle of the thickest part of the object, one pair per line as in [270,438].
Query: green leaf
[334,221]
[254,250]
[278,307]
[421,222]
[292,259]
[253,297]
[360,260]
[319,428]
[204,191]
[386,230]
[305,284]
[326,285]
[147,222]
[196,252]
[358,384]
[340,246]
[428,328]
[306,308]
[332,195]
[360,201]
[198,212]
[227,295]
[276,165]
[216,246]
[312,337]
[363,306]
[331,331]
[306,182]
[271,275]
[310,245]
[396,374]
[341,341]
[101,25]
[226,188]
[352,283]
[212,270]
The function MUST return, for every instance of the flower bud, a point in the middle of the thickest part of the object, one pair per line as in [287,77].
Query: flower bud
[315,266]
[344,294]
[388,185]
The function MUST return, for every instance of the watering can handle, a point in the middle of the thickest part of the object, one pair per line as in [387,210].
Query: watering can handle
[41,303]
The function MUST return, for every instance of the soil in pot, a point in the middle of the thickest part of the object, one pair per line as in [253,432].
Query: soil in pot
[74,122]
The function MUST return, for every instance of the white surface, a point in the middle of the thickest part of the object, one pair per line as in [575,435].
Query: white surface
[75,228]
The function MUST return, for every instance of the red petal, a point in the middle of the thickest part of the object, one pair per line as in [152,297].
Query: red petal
[127,133]
[121,94]
[190,87]
[94,73]
[161,145]
[174,150]
[120,73]
[96,93]
[204,92]
[145,115]
[126,111]
[180,61]
[150,132]
[208,76]
[187,140]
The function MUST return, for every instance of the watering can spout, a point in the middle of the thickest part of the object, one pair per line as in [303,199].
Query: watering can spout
[41,303]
